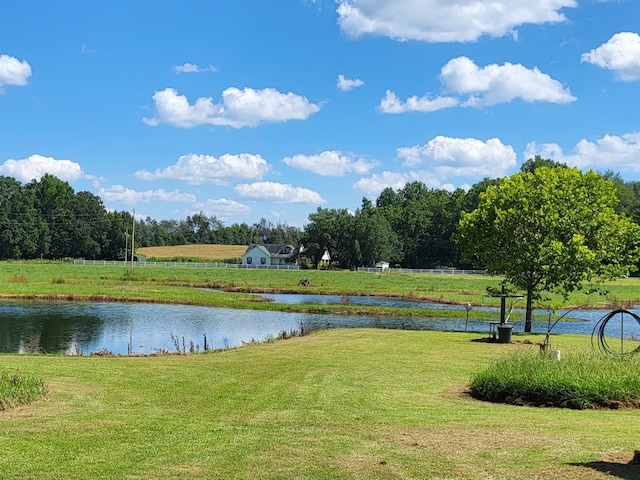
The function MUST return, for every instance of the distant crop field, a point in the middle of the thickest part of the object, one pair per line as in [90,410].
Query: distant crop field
[210,252]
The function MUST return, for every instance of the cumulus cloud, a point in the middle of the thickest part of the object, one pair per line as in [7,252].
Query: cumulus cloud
[331,163]
[239,108]
[278,193]
[611,152]
[621,54]
[13,71]
[193,68]
[36,166]
[467,157]
[443,158]
[372,186]
[346,84]
[473,86]
[392,104]
[121,194]
[222,207]
[445,20]
[199,169]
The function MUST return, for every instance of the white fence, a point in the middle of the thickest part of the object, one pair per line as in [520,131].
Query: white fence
[115,263]
[430,271]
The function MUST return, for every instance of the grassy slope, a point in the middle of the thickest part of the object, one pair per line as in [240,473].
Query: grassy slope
[336,404]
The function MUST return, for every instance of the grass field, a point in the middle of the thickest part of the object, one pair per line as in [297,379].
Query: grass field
[184,285]
[342,403]
[204,252]
[334,404]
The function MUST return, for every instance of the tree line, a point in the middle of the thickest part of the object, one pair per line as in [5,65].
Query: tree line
[413,227]
[47,219]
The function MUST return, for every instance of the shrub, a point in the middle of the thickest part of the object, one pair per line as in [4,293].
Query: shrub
[579,380]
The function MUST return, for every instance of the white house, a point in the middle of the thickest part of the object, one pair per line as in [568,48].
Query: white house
[270,254]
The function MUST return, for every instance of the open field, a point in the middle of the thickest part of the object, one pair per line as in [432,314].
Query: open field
[205,252]
[334,404]
[185,285]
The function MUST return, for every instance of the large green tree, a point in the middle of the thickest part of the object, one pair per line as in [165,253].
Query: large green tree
[550,229]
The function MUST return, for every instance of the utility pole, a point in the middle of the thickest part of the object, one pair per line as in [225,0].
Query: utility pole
[133,236]
[126,247]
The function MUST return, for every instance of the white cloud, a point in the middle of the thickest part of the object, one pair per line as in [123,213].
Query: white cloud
[372,186]
[278,193]
[239,108]
[36,166]
[13,71]
[440,159]
[223,207]
[121,194]
[466,157]
[620,54]
[331,163]
[500,83]
[475,86]
[445,20]
[346,84]
[199,169]
[193,68]
[611,152]
[392,104]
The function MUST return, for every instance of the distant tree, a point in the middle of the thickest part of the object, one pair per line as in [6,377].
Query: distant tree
[376,241]
[553,229]
[88,225]
[329,229]
[424,220]
[52,199]
[536,162]
[19,221]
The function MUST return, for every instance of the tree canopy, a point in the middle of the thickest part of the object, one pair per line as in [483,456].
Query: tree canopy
[550,229]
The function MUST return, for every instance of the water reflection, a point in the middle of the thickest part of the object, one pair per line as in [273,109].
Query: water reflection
[122,328]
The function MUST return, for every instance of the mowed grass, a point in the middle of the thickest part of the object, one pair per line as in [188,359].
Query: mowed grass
[358,403]
[183,284]
[204,252]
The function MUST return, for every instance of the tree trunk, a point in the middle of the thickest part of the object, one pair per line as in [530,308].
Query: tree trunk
[529,313]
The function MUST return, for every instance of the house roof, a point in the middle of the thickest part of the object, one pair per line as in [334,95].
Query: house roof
[276,249]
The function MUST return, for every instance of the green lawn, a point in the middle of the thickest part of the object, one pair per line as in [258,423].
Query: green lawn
[64,280]
[355,403]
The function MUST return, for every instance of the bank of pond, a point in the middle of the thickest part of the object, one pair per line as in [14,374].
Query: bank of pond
[62,327]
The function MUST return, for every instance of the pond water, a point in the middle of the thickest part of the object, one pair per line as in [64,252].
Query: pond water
[124,328]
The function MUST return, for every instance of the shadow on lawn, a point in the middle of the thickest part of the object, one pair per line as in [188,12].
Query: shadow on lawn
[614,465]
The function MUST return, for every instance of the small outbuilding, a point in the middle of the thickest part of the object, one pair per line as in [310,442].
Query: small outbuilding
[382,266]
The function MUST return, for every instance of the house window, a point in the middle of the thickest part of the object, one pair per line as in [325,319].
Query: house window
[249,260]
[263,260]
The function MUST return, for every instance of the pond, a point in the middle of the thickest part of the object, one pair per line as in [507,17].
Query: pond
[140,328]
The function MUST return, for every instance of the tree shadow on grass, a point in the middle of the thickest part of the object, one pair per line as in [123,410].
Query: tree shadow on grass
[617,467]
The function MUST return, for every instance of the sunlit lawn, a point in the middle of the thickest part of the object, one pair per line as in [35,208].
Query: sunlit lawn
[335,404]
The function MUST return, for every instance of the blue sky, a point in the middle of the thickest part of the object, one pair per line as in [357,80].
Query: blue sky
[249,108]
